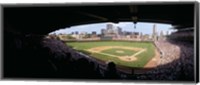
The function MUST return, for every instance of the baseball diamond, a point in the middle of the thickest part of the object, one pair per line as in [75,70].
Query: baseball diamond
[123,53]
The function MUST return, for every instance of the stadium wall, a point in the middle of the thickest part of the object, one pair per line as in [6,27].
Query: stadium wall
[144,41]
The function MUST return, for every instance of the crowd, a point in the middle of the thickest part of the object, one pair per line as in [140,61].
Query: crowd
[73,64]
[69,63]
[176,63]
[35,56]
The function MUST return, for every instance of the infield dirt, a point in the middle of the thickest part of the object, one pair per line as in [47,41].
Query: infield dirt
[123,58]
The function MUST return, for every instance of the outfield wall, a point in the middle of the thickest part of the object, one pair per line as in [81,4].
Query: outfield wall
[147,41]
[107,39]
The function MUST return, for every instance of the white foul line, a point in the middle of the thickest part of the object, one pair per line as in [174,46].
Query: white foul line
[138,52]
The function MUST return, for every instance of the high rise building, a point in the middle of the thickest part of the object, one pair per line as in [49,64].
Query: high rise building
[103,31]
[161,37]
[167,33]
[161,34]
[154,34]
[110,30]
[154,29]
[94,33]
[119,29]
[76,33]
[110,26]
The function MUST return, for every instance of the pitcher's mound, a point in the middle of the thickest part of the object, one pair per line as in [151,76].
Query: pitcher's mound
[128,58]
[119,51]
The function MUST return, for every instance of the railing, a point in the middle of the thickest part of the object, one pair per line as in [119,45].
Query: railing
[160,51]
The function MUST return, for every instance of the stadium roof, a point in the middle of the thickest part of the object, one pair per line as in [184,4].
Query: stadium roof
[42,19]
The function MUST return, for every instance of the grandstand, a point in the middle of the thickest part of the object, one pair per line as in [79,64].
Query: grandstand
[30,53]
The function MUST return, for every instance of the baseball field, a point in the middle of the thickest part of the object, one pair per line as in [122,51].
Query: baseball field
[124,53]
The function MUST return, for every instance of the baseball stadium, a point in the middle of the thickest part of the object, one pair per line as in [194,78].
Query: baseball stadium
[119,41]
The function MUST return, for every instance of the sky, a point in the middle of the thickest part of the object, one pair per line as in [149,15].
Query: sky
[145,28]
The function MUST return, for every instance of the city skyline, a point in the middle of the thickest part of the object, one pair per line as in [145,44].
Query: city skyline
[141,27]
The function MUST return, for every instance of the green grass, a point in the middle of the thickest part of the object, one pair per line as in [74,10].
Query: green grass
[142,59]
[126,52]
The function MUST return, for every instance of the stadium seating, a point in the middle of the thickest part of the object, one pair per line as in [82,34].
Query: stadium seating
[40,57]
